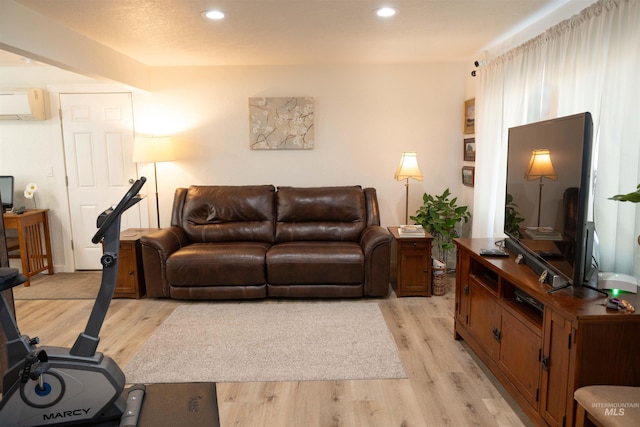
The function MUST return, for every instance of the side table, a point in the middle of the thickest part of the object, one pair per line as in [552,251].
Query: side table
[412,255]
[130,281]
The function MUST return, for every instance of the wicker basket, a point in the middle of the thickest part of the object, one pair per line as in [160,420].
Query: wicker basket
[439,281]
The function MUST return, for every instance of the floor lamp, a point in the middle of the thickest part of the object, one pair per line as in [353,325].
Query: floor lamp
[540,166]
[408,168]
[153,150]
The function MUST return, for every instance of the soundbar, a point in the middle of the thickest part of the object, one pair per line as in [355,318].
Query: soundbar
[552,277]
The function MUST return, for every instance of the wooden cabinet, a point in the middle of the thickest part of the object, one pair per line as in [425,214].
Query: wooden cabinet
[412,256]
[130,281]
[541,352]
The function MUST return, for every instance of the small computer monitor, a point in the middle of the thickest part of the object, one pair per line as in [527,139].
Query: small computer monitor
[6,192]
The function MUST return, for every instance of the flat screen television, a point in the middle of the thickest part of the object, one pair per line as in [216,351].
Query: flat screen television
[548,189]
[6,192]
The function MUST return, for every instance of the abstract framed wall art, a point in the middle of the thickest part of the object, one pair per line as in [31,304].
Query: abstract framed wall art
[281,123]
[469,116]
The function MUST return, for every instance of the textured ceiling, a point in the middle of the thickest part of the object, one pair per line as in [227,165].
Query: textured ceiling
[284,32]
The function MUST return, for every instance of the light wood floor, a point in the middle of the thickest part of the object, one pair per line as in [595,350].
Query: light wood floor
[446,386]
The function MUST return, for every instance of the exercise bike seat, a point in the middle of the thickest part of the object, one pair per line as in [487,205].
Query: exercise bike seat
[10,277]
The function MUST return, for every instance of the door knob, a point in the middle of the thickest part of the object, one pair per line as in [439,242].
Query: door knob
[131,180]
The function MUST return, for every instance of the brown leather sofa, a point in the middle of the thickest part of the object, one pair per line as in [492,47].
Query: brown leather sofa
[236,242]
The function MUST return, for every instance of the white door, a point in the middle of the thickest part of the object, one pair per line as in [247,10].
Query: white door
[98,134]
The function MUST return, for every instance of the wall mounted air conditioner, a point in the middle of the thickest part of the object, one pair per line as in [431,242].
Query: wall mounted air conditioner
[23,105]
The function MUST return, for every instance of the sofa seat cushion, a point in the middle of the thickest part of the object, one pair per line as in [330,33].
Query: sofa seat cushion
[218,264]
[309,263]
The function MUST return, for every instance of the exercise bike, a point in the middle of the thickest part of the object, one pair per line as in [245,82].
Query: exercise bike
[69,386]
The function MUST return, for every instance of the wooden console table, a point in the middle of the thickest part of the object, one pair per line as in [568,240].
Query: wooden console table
[541,346]
[34,240]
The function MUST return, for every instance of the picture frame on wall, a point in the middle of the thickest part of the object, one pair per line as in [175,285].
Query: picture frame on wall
[281,123]
[468,175]
[469,149]
[469,116]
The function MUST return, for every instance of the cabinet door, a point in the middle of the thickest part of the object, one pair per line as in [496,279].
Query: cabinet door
[555,368]
[484,319]
[126,281]
[520,353]
[414,268]
[462,288]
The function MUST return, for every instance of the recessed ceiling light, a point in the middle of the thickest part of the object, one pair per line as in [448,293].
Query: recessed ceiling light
[386,12]
[215,15]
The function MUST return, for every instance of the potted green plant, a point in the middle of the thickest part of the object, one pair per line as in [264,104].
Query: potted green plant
[439,216]
[512,218]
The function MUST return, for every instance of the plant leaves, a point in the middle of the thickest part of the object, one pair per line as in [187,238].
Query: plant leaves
[633,197]
[439,216]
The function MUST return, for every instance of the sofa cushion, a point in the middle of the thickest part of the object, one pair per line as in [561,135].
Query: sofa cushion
[308,263]
[229,213]
[321,213]
[217,264]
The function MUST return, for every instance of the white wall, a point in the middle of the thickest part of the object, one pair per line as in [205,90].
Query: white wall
[27,150]
[365,116]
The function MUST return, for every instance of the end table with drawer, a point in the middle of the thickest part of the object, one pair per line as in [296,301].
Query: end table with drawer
[130,281]
[412,256]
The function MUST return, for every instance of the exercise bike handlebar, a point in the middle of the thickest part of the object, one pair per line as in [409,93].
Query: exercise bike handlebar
[106,219]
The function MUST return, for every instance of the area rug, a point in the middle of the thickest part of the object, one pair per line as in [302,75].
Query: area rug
[78,285]
[288,341]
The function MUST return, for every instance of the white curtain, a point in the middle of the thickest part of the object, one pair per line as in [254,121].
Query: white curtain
[590,62]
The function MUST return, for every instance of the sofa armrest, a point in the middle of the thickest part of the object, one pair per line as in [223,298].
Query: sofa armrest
[156,249]
[376,245]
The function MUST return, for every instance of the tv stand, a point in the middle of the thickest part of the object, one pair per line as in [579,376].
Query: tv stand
[541,346]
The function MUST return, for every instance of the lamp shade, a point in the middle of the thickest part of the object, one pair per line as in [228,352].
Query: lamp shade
[408,167]
[540,166]
[153,149]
